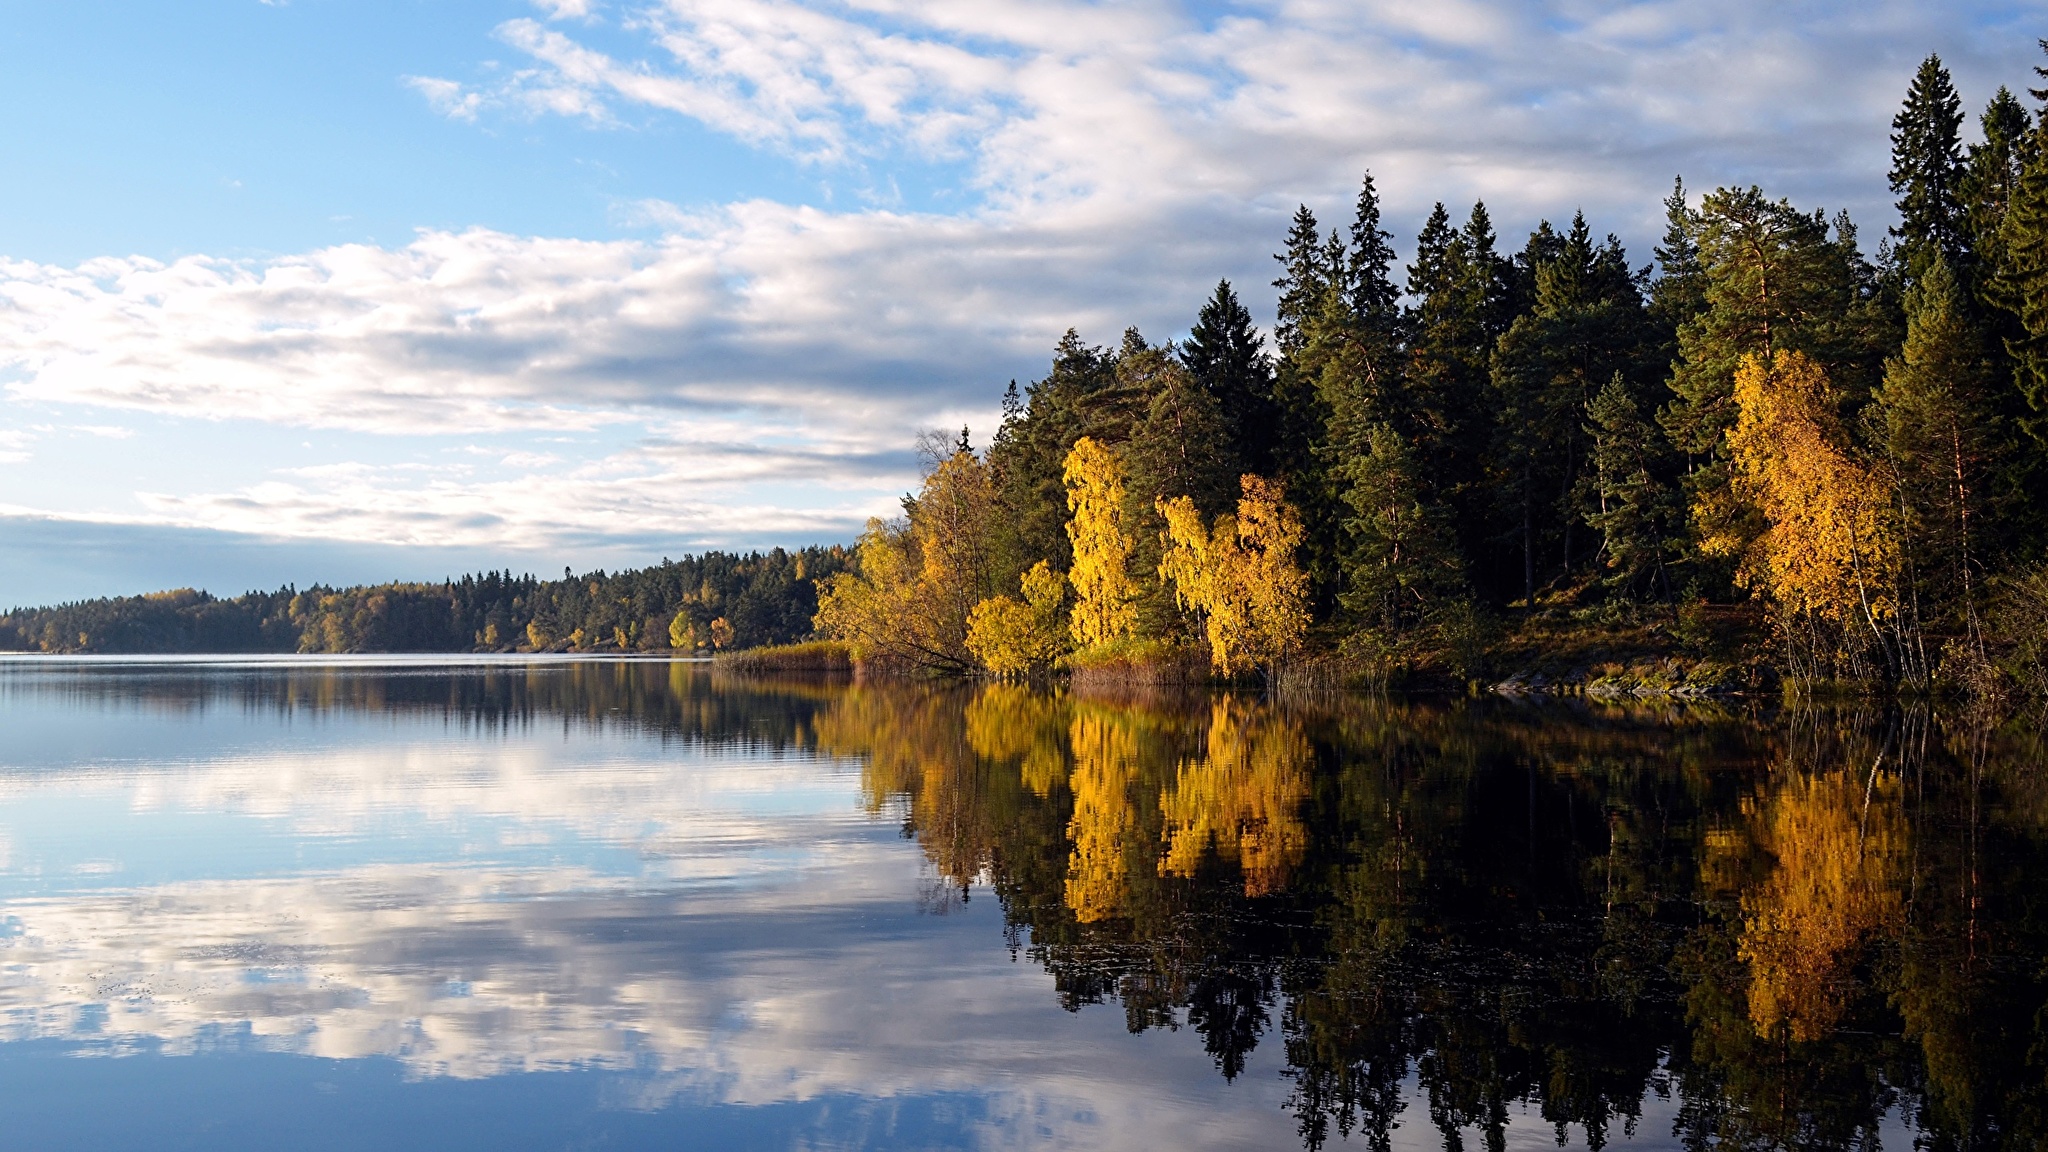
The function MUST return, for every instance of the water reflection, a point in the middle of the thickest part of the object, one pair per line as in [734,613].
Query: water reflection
[1400,924]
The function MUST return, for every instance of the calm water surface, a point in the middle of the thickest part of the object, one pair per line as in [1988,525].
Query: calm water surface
[598,905]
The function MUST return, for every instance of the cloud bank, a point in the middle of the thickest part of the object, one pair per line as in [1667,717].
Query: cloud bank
[1096,165]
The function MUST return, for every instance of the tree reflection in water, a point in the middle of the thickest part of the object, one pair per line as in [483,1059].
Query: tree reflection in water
[1787,924]
[1792,923]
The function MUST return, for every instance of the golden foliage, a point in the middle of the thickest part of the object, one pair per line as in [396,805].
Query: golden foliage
[1241,575]
[1010,636]
[1829,549]
[1104,824]
[1838,842]
[1008,723]
[682,633]
[1242,800]
[1105,596]
[918,580]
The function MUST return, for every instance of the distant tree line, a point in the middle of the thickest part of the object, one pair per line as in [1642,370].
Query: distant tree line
[1767,415]
[714,601]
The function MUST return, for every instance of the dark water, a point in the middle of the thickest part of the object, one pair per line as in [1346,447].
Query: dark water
[589,905]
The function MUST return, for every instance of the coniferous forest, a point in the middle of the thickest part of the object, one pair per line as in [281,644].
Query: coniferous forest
[700,603]
[1770,452]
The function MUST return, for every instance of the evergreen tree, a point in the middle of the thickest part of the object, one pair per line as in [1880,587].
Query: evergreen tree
[1680,291]
[1401,560]
[1459,285]
[1639,516]
[1031,447]
[2021,290]
[1226,356]
[1587,324]
[1303,279]
[1941,434]
[1775,280]
[1181,448]
[1927,173]
[1314,294]
[1373,294]
[1991,178]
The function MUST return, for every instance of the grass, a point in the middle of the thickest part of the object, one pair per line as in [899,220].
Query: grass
[810,656]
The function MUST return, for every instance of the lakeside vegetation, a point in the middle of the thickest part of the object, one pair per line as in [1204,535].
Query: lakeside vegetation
[1767,457]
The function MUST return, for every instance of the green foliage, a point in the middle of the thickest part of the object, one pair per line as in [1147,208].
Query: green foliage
[1639,515]
[1927,173]
[1226,356]
[765,598]
[1402,563]
[1941,433]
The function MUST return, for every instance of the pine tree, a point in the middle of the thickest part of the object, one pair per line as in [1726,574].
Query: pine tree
[1992,177]
[1226,356]
[1927,173]
[1640,516]
[1402,560]
[1586,324]
[2021,289]
[1775,280]
[1940,435]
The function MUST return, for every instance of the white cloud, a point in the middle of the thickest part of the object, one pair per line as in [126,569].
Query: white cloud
[447,97]
[565,9]
[1113,160]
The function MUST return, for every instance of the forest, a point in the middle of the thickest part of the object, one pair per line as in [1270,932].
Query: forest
[1765,445]
[710,602]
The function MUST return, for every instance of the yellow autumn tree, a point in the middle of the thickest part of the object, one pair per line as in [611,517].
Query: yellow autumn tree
[1838,841]
[1105,596]
[919,578]
[1010,636]
[1828,551]
[1241,800]
[1240,575]
[1104,825]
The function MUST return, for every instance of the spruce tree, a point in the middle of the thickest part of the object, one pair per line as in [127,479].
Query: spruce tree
[1639,515]
[1680,291]
[1941,435]
[1302,281]
[1373,294]
[2021,289]
[1181,448]
[1992,176]
[1927,173]
[1226,355]
[1461,306]
[1401,561]
[1586,324]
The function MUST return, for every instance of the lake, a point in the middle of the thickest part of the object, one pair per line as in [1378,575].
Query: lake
[500,903]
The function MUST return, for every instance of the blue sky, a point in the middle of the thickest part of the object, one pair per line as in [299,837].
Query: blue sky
[361,289]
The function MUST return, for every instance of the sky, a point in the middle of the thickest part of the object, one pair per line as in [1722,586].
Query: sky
[356,290]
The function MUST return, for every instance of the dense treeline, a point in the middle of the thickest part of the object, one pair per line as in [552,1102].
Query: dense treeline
[1766,415]
[714,601]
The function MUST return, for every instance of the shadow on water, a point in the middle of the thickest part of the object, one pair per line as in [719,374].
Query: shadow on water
[1789,925]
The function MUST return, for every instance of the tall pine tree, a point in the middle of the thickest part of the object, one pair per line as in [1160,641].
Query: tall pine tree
[1226,355]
